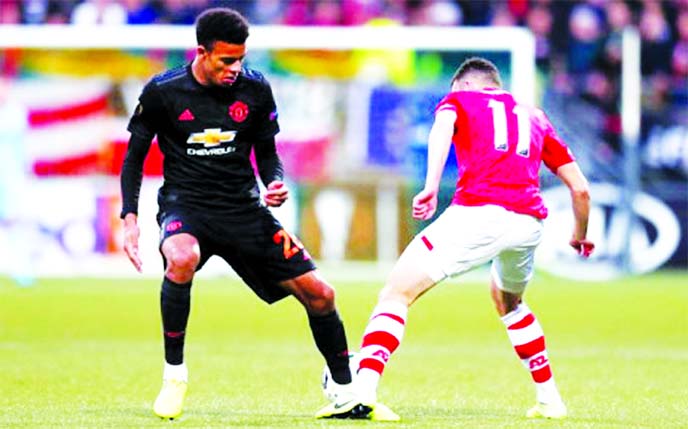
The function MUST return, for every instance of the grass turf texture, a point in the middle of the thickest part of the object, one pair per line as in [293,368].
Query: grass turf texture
[88,353]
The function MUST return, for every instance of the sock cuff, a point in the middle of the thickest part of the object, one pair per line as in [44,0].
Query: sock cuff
[175,372]
[516,314]
[392,307]
[172,289]
[167,282]
[323,317]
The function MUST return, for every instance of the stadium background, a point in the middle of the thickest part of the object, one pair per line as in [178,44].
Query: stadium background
[354,126]
[81,347]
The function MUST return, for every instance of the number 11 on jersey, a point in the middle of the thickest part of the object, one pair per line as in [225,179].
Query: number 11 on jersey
[501,132]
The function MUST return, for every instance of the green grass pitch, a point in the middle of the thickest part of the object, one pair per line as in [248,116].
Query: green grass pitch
[87,353]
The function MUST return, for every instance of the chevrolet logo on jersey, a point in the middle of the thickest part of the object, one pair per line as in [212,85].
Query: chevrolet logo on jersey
[209,138]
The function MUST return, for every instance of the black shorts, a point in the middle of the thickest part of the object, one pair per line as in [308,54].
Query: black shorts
[259,250]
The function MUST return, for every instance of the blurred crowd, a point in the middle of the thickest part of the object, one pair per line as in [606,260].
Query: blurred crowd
[585,59]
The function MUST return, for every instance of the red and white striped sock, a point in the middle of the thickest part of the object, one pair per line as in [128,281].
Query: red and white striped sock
[381,338]
[528,339]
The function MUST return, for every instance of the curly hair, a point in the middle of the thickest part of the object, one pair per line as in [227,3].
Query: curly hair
[221,24]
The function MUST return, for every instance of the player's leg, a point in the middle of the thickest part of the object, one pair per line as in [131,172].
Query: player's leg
[182,255]
[385,330]
[382,336]
[287,265]
[511,271]
[454,243]
[318,298]
[274,264]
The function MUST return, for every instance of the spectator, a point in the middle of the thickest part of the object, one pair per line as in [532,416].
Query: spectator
[518,8]
[90,12]
[266,12]
[679,56]
[361,12]
[585,28]
[141,12]
[539,21]
[10,12]
[619,17]
[655,36]
[394,11]
[436,13]
[296,13]
[476,13]
[182,12]
[33,11]
[502,17]
[58,12]
[601,91]
[327,13]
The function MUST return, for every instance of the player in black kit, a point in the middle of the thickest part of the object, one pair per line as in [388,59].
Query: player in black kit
[208,115]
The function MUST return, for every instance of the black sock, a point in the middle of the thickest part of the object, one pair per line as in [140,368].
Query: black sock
[330,338]
[175,303]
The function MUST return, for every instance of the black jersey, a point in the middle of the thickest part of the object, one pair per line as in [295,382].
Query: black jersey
[206,135]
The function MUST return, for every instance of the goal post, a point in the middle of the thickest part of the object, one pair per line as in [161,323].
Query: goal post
[518,42]
[307,101]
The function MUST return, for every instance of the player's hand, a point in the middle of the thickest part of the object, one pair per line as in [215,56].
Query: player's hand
[424,204]
[276,194]
[131,240]
[583,247]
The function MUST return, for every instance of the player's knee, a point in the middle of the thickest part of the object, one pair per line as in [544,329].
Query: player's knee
[505,302]
[181,264]
[394,293]
[322,301]
[183,259]
[511,304]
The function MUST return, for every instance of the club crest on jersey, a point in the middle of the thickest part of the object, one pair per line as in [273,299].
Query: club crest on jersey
[238,111]
[210,138]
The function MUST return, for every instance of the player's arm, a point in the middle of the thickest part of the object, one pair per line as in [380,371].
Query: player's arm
[271,172]
[559,159]
[574,179]
[268,162]
[132,173]
[130,182]
[439,142]
[142,127]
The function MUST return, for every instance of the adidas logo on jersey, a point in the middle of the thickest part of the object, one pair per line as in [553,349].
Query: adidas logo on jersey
[186,116]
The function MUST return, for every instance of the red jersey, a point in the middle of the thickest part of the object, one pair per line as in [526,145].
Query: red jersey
[499,147]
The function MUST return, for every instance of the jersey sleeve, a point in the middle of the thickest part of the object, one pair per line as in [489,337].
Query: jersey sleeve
[143,125]
[149,113]
[449,102]
[266,126]
[555,152]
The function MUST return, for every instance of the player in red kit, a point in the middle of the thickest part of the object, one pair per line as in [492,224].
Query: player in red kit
[496,215]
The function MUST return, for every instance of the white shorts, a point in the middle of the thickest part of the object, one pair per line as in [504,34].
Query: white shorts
[464,237]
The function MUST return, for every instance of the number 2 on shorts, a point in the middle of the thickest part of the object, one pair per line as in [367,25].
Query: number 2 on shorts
[290,244]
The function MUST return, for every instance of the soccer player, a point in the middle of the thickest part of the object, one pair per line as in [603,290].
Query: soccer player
[208,116]
[496,215]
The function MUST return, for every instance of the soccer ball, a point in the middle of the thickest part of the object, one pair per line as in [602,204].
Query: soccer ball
[329,386]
